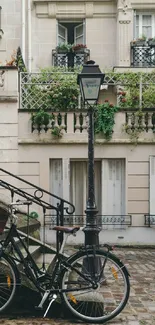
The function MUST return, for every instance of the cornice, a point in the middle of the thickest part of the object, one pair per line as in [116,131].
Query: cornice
[54,9]
[143,5]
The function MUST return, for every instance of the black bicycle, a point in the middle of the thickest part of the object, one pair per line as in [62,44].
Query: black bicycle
[93,283]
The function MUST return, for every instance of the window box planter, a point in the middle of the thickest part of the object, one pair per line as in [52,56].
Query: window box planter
[151,42]
[138,43]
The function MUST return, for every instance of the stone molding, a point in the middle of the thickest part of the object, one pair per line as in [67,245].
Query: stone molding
[52,9]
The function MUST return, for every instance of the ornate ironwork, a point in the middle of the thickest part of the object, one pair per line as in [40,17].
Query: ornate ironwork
[37,196]
[118,221]
[143,56]
[149,220]
[70,59]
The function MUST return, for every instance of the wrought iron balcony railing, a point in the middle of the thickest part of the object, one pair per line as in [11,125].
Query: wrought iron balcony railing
[103,221]
[70,59]
[143,55]
[149,220]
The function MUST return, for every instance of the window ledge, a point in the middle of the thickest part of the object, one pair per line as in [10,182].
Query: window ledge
[1,33]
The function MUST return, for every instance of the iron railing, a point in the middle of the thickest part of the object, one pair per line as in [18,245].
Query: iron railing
[103,221]
[149,220]
[70,59]
[36,195]
[143,56]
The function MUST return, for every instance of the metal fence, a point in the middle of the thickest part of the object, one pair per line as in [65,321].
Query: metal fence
[103,221]
[130,90]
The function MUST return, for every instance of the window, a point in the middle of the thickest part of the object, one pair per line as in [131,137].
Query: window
[144,25]
[79,185]
[71,32]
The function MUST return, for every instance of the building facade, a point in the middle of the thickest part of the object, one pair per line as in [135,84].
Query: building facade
[124,169]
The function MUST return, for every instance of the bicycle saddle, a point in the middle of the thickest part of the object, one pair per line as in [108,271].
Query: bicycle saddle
[67,230]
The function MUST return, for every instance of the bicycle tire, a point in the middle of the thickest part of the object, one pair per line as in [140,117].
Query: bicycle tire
[9,281]
[95,305]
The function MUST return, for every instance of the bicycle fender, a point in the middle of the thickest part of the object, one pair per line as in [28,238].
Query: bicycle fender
[124,267]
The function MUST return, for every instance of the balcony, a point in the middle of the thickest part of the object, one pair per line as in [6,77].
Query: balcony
[57,95]
[128,128]
[70,59]
[143,54]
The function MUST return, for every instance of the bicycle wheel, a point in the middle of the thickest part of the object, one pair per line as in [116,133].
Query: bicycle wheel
[9,278]
[90,304]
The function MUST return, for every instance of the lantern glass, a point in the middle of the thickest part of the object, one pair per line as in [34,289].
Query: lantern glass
[90,89]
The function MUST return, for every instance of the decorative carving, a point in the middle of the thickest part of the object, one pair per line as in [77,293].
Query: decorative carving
[125,4]
[124,21]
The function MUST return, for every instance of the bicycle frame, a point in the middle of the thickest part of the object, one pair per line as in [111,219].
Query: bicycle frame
[31,269]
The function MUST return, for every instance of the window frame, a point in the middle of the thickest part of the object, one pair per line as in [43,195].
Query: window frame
[141,14]
[79,22]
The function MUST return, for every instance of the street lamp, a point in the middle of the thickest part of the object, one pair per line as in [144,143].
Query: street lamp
[90,80]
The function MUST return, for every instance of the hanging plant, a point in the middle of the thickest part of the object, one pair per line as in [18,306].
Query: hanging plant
[56,131]
[105,119]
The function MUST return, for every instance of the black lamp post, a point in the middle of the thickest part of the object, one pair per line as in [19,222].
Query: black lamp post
[90,80]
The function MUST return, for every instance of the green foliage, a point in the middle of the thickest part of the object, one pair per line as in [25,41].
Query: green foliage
[52,89]
[41,118]
[105,119]
[56,131]
[149,96]
[138,89]
[66,47]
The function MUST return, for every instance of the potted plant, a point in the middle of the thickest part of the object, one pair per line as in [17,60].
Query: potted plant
[64,48]
[141,41]
[151,41]
[80,48]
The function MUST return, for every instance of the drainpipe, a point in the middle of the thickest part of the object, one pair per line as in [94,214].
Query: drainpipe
[29,35]
[23,29]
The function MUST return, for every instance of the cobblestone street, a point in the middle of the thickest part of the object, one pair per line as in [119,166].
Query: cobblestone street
[140,309]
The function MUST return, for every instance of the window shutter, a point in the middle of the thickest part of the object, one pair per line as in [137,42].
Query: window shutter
[62,34]
[79,34]
[56,182]
[113,189]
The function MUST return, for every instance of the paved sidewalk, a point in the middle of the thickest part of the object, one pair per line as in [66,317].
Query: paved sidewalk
[140,309]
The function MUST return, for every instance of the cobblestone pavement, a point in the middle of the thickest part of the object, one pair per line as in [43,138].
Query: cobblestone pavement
[140,309]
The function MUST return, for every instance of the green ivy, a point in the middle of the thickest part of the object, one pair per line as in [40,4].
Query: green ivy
[41,118]
[105,119]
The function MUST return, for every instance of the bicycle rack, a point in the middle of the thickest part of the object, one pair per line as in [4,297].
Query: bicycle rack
[62,207]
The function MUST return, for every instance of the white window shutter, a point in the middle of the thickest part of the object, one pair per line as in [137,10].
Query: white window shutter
[56,182]
[79,34]
[113,188]
[152,185]
[61,34]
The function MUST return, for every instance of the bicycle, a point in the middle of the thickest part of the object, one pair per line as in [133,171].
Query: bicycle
[93,283]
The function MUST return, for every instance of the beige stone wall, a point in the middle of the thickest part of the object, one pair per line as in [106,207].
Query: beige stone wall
[11,26]
[109,29]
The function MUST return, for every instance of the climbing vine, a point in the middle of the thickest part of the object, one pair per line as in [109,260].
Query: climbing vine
[105,119]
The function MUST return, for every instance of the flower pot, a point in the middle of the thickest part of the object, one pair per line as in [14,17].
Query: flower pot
[151,43]
[79,50]
[62,51]
[139,43]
